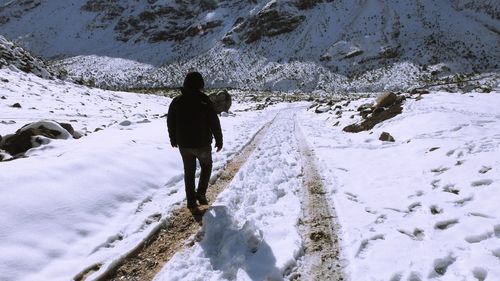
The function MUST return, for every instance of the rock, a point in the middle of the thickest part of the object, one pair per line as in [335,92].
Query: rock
[32,135]
[386,137]
[419,91]
[385,99]
[16,105]
[274,19]
[67,127]
[17,58]
[221,101]
[125,123]
[322,109]
[71,130]
[228,40]
[4,155]
[365,107]
[484,89]
[3,98]
[375,118]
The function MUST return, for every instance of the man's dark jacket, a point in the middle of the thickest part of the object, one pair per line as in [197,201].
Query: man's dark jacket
[192,121]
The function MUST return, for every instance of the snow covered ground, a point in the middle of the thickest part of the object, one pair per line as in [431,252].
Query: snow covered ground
[75,203]
[424,207]
[250,232]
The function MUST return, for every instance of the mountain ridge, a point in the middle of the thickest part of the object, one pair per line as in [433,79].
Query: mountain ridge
[263,44]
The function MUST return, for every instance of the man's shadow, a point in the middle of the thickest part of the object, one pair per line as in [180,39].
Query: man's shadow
[234,250]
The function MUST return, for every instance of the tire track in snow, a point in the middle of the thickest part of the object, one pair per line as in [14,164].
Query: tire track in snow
[170,236]
[319,226]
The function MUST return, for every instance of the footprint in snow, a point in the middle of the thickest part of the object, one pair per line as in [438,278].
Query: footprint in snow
[414,276]
[370,210]
[450,188]
[414,206]
[441,266]
[417,234]
[396,276]
[463,201]
[496,253]
[433,149]
[141,205]
[363,247]
[479,237]
[439,170]
[109,243]
[152,218]
[445,224]
[435,183]
[381,219]
[418,193]
[496,230]
[481,182]
[480,273]
[484,169]
[435,210]
[459,127]
[353,197]
[481,215]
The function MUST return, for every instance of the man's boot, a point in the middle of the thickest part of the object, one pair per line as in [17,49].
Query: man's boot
[202,199]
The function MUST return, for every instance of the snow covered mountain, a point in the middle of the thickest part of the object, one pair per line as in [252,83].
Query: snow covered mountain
[262,44]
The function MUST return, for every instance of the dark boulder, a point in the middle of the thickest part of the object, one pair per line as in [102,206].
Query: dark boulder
[32,135]
[221,101]
[71,130]
[322,109]
[377,116]
[385,136]
[386,99]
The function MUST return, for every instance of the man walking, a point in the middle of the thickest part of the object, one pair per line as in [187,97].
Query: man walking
[192,123]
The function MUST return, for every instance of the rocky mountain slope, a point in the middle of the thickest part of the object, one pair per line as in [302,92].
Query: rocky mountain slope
[264,44]
[12,55]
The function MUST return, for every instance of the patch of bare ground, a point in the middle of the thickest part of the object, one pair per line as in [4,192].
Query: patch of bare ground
[321,260]
[173,234]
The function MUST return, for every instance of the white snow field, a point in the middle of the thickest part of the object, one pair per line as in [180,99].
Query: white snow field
[424,207]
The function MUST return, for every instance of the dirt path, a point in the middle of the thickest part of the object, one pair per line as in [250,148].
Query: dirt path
[149,257]
[319,228]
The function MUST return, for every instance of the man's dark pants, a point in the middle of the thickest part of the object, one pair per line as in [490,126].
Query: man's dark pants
[189,156]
